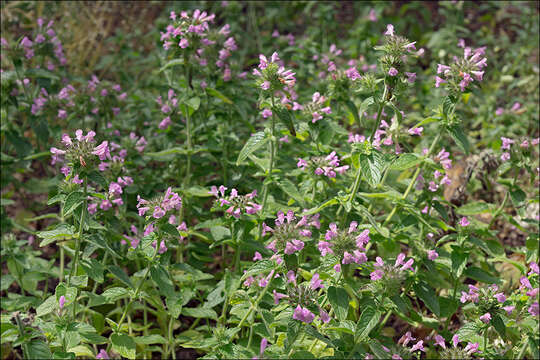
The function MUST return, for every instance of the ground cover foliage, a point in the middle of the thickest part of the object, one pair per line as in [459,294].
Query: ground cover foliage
[269,180]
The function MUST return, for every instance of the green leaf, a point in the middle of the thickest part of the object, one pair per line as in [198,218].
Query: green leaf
[364,106]
[254,142]
[200,313]
[405,161]
[260,267]
[96,177]
[456,132]
[372,167]
[150,339]
[38,349]
[69,293]
[47,306]
[124,345]
[290,189]
[459,261]
[114,294]
[354,110]
[310,330]
[61,232]
[518,196]
[368,320]
[339,299]
[473,208]
[478,274]
[120,275]
[469,332]
[365,213]
[93,338]
[286,118]
[194,103]
[428,297]
[164,155]
[161,277]
[173,62]
[219,95]
[170,229]
[498,324]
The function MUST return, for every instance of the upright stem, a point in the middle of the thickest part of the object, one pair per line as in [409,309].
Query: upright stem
[62,257]
[79,237]
[413,180]
[359,171]
[138,287]
[272,146]
[171,339]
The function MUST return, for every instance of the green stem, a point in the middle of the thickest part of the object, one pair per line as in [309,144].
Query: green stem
[413,180]
[62,259]
[359,171]
[79,237]
[171,339]
[254,305]
[21,334]
[265,191]
[126,309]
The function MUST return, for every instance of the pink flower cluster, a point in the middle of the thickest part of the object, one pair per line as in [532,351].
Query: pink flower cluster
[327,166]
[169,201]
[45,35]
[284,76]
[288,232]
[167,107]
[399,265]
[507,143]
[464,70]
[350,241]
[236,204]
[470,349]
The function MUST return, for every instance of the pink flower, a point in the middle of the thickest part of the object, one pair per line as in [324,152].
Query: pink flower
[315,282]
[291,277]
[265,85]
[464,222]
[505,156]
[500,297]
[102,355]
[102,151]
[372,16]
[392,71]
[439,340]
[534,309]
[499,111]
[509,309]
[184,43]
[61,301]
[406,338]
[411,77]
[525,283]
[257,256]
[418,346]
[303,314]
[506,142]
[485,318]
[376,275]
[416,131]
[432,255]
[516,106]
[325,318]
[266,113]
[278,296]
[264,344]
[439,81]
[471,348]
[389,30]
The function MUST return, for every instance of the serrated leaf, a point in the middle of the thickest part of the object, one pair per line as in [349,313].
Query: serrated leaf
[260,267]
[365,213]
[120,275]
[161,277]
[290,189]
[473,208]
[339,299]
[96,177]
[405,161]
[173,62]
[459,261]
[61,232]
[124,345]
[372,167]
[456,132]
[285,117]
[93,338]
[367,321]
[219,95]
[150,339]
[310,330]
[363,107]
[115,293]
[47,306]
[354,111]
[428,297]
[204,313]
[254,142]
